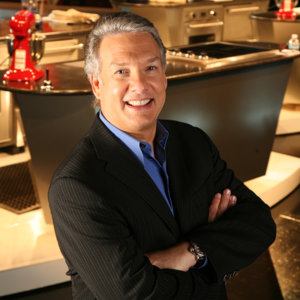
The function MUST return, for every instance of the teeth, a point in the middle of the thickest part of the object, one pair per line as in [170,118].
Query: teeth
[139,103]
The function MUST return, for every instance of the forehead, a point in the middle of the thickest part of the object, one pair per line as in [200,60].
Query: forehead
[128,45]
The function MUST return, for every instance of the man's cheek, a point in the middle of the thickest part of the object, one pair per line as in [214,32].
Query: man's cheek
[115,91]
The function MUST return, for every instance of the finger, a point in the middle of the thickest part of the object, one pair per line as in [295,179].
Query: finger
[232,201]
[214,206]
[224,202]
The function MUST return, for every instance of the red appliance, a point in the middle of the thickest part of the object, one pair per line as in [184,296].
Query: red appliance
[286,11]
[22,66]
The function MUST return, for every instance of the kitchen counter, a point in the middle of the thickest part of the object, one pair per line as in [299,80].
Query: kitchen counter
[268,28]
[272,17]
[51,29]
[69,78]
[66,78]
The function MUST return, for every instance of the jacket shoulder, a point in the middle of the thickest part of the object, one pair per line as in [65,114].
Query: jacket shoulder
[79,162]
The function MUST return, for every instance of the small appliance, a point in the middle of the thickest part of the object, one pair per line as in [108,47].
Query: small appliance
[22,67]
[286,11]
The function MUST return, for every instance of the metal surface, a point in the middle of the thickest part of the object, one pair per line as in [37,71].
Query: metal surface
[68,78]
[18,200]
[185,24]
[53,125]
[237,24]
[238,109]
[221,54]
[192,21]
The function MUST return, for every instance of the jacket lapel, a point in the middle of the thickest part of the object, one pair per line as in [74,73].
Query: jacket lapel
[179,179]
[184,180]
[123,165]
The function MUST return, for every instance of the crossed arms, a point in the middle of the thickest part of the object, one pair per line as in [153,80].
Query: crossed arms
[179,257]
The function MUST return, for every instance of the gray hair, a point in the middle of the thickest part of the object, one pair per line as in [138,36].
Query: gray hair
[114,23]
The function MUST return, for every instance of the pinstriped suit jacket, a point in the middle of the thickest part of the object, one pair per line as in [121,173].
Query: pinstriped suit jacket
[107,213]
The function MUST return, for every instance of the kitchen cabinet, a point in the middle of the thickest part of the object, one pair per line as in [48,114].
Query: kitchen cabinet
[237,23]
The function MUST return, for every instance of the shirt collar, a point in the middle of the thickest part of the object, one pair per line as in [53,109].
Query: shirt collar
[133,144]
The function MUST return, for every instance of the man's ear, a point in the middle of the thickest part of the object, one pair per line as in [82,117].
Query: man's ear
[166,81]
[96,85]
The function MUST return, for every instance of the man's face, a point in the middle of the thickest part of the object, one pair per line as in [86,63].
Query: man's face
[132,84]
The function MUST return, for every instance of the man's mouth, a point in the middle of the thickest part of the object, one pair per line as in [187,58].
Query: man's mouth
[139,102]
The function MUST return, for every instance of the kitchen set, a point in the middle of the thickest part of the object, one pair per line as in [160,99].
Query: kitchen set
[225,75]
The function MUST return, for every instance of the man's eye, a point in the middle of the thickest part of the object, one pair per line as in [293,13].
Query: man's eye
[121,72]
[151,68]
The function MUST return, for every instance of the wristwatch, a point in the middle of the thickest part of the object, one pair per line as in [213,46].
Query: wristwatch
[199,254]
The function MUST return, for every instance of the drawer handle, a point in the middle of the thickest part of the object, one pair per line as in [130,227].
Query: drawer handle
[64,48]
[242,9]
[213,24]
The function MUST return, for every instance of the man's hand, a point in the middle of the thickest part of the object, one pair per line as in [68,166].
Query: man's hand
[220,203]
[177,257]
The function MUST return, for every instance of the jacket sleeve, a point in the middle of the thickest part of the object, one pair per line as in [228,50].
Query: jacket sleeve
[242,233]
[99,247]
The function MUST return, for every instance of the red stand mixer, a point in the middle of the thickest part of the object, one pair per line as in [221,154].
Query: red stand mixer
[286,11]
[22,66]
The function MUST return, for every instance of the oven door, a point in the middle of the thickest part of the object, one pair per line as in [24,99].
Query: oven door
[198,32]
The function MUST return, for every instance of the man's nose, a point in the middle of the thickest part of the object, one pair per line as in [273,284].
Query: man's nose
[138,82]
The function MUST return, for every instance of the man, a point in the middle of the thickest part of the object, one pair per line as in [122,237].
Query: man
[146,209]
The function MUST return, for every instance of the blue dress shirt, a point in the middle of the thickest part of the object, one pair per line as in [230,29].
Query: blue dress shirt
[155,166]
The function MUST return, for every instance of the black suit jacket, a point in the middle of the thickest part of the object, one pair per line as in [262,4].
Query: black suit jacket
[107,213]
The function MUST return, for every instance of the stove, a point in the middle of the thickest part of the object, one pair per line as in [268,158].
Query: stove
[218,54]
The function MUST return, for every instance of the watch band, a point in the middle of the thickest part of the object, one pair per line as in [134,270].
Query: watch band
[195,249]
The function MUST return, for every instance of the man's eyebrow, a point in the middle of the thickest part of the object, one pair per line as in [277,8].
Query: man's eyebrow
[116,64]
[153,59]
[123,64]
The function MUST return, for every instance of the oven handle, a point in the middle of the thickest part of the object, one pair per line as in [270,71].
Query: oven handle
[212,24]
[64,48]
[242,9]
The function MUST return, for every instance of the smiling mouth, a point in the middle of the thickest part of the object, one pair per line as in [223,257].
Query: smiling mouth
[139,102]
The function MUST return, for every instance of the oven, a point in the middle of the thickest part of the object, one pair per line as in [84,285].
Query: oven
[202,24]
[180,24]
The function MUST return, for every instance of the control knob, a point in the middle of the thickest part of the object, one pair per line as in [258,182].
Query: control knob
[203,56]
[192,15]
[189,54]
